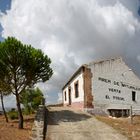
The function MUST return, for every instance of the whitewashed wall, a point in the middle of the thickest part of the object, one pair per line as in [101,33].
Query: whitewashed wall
[114,70]
[78,78]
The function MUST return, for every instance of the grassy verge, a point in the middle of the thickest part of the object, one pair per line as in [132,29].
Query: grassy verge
[123,125]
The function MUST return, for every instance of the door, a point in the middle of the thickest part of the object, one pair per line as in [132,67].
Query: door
[69,95]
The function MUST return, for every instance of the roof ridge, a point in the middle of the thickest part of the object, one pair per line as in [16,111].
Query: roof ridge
[103,60]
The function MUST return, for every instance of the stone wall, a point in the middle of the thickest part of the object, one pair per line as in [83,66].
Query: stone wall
[40,124]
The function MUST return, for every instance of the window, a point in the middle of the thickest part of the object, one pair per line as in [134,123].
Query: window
[133,96]
[65,96]
[76,87]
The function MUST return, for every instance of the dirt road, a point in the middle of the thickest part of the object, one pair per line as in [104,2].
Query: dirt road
[68,124]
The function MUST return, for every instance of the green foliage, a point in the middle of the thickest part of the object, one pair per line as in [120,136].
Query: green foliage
[25,111]
[22,66]
[31,99]
[13,114]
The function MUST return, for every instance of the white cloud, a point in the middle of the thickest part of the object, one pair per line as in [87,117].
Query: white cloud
[59,98]
[138,58]
[9,101]
[73,32]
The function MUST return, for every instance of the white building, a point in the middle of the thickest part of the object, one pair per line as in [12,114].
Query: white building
[104,87]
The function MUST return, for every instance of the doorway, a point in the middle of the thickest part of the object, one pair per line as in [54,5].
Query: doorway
[69,95]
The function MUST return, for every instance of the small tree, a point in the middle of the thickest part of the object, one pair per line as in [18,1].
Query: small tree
[23,66]
[2,104]
[31,99]
[4,91]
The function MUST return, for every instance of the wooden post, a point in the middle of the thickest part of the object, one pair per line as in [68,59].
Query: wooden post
[131,114]
[43,101]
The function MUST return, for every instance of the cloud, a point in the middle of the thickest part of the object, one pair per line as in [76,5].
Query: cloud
[59,98]
[73,32]
[9,101]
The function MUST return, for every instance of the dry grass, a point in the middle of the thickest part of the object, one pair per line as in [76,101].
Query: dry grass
[132,131]
[10,131]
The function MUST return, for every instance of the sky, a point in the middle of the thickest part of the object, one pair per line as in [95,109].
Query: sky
[4,5]
[74,32]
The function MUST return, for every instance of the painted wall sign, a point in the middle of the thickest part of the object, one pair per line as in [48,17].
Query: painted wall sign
[114,90]
[118,98]
[104,80]
[122,84]
[115,98]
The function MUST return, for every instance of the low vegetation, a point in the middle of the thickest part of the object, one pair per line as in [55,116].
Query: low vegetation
[56,105]
[13,114]
[31,99]
[132,131]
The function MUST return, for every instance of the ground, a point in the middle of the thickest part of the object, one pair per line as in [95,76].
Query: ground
[123,125]
[10,131]
[68,124]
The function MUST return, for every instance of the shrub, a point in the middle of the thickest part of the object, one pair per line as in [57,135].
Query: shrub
[13,114]
[25,111]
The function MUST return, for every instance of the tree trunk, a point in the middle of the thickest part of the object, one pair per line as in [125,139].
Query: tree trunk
[20,125]
[5,114]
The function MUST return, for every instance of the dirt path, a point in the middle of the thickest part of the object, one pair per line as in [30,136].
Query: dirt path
[67,124]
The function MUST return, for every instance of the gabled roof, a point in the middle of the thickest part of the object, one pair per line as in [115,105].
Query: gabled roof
[81,68]
[75,74]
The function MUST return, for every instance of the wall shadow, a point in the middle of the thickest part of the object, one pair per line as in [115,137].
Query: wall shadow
[55,117]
